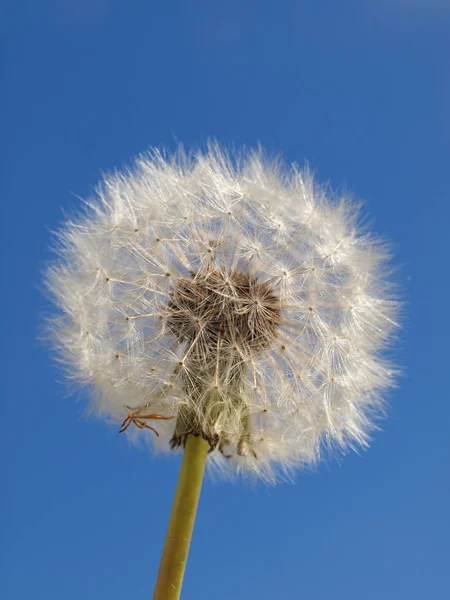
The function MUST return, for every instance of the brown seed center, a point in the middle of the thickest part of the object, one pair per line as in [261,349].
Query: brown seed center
[224,310]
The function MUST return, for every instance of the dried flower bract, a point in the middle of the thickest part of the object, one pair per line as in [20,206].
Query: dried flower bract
[228,292]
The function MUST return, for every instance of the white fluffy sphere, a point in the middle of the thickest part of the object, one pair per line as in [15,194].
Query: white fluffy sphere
[231,294]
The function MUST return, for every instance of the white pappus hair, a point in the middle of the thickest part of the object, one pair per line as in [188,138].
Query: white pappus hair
[226,296]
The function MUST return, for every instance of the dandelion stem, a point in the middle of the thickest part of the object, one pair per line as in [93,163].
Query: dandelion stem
[182,518]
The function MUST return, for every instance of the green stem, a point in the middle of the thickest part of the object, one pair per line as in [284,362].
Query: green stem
[182,518]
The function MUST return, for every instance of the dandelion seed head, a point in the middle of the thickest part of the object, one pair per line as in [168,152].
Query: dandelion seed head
[232,293]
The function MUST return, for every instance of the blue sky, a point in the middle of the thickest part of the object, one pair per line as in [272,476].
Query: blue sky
[361,90]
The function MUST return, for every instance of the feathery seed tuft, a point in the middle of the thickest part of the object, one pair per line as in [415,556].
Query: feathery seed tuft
[228,297]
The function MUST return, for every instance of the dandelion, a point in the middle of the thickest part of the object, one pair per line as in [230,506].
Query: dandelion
[228,305]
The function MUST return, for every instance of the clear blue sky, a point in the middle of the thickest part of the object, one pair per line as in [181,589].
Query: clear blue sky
[360,89]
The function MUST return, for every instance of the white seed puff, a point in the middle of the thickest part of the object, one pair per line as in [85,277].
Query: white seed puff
[230,293]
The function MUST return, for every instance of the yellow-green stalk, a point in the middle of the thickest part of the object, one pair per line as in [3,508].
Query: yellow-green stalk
[182,519]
